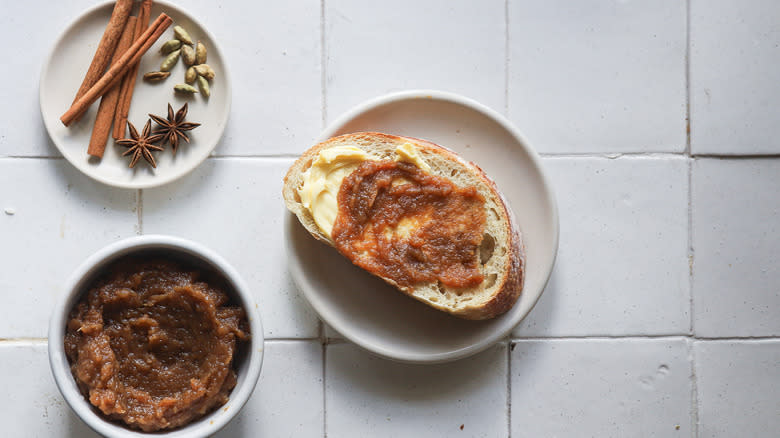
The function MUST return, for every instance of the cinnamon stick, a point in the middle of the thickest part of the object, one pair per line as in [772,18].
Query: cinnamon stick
[107,45]
[128,81]
[115,72]
[105,113]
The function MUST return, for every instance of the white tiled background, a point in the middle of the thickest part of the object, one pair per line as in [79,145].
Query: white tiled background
[659,124]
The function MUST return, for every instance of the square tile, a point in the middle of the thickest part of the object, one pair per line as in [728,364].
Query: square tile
[622,266]
[21,129]
[737,384]
[734,71]
[598,75]
[52,217]
[235,207]
[32,404]
[602,387]
[369,396]
[273,50]
[373,48]
[736,247]
[288,400]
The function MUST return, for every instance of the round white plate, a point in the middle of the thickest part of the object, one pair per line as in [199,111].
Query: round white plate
[62,75]
[373,314]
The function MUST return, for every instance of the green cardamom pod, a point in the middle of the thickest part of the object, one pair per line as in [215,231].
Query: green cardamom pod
[205,71]
[170,61]
[200,52]
[203,84]
[184,88]
[155,76]
[188,55]
[170,46]
[182,35]
[190,75]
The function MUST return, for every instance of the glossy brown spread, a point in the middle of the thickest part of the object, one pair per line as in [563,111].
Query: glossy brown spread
[399,222]
[152,344]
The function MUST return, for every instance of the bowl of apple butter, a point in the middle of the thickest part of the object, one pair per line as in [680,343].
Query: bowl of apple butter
[156,335]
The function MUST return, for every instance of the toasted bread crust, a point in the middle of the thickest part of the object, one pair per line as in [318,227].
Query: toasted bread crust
[509,282]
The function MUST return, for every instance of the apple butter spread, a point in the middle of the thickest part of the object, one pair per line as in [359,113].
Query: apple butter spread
[402,223]
[152,344]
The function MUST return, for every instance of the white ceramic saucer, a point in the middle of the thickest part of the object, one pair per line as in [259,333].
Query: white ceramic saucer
[374,315]
[64,70]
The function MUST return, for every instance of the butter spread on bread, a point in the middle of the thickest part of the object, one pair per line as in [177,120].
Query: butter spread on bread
[321,182]
[414,214]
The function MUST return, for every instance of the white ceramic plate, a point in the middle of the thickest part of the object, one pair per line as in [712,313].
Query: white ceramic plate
[373,314]
[65,68]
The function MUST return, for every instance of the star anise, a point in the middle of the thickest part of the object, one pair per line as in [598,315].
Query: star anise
[174,127]
[141,145]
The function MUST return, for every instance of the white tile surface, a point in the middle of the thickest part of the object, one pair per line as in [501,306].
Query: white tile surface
[593,76]
[598,75]
[32,405]
[273,52]
[601,388]
[30,30]
[738,385]
[622,266]
[377,47]
[235,207]
[736,243]
[735,71]
[287,401]
[51,218]
[368,396]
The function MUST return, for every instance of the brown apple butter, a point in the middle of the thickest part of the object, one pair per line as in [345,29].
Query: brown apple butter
[401,223]
[152,344]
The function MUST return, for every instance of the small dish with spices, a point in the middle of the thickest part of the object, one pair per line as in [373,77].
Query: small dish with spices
[161,161]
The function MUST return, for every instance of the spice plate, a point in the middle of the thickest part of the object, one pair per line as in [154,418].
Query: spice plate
[374,315]
[64,70]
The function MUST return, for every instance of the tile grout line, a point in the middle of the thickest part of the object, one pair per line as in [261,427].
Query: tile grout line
[506,58]
[694,392]
[324,391]
[649,337]
[737,338]
[691,254]
[323,64]
[608,155]
[614,155]
[755,156]
[688,78]
[599,337]
[509,348]
[338,341]
[139,209]
[39,157]
[324,115]
[506,114]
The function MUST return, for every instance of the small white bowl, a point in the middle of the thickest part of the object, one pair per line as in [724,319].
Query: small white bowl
[247,365]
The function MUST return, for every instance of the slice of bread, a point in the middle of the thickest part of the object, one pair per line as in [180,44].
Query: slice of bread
[500,255]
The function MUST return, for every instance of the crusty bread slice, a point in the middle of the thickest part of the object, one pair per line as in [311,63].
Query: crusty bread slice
[501,252]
